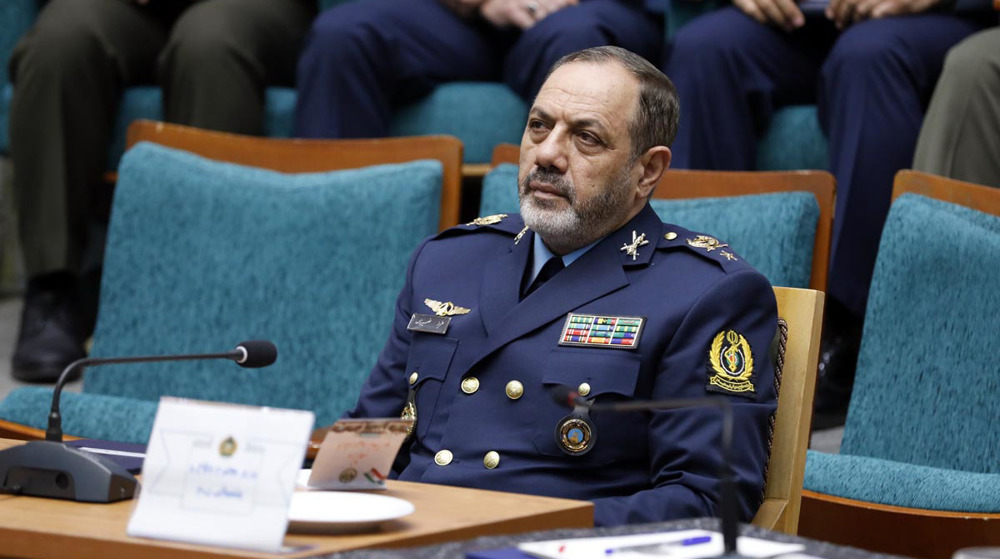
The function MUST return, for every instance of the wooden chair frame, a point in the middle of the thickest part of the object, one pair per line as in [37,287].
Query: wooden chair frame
[679,184]
[802,311]
[305,156]
[913,532]
[18,432]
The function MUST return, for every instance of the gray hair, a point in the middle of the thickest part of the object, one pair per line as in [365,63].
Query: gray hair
[656,119]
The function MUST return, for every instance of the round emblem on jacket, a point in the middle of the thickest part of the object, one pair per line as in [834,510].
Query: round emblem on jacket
[575,436]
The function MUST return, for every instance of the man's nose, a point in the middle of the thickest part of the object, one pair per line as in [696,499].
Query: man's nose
[551,153]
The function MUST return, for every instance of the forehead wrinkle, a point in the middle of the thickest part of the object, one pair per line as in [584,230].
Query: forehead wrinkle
[576,116]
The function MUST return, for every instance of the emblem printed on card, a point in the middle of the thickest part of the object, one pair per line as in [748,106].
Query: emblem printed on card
[616,332]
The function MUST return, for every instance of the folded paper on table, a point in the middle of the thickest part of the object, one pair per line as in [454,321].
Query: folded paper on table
[126,455]
[685,544]
[358,453]
[220,474]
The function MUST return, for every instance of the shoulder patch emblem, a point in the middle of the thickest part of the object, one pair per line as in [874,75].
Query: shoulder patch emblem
[487,220]
[730,365]
[706,242]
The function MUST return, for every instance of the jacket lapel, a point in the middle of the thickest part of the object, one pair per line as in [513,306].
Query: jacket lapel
[595,274]
[501,284]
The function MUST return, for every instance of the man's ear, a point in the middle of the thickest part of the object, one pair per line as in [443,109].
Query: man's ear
[654,163]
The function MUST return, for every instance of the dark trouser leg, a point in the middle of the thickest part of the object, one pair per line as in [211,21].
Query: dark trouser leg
[960,137]
[588,24]
[731,74]
[873,90]
[221,55]
[362,57]
[68,74]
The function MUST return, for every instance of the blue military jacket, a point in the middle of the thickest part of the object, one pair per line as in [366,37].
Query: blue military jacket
[709,319]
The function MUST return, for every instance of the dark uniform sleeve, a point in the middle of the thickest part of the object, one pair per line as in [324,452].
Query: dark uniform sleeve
[685,453]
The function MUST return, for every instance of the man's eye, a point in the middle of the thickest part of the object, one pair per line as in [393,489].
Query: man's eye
[589,139]
[536,125]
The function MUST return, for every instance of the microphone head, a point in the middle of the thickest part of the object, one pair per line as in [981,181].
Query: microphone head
[564,395]
[256,353]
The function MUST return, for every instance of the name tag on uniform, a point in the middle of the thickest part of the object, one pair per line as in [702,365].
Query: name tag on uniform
[429,323]
[590,330]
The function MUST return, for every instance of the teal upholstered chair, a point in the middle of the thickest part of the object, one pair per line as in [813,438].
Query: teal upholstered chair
[918,472]
[778,221]
[202,254]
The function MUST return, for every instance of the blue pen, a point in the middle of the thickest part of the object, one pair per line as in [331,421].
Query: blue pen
[659,547]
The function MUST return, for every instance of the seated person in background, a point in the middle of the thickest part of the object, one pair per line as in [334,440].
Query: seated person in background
[961,133]
[213,59]
[670,314]
[870,66]
[362,58]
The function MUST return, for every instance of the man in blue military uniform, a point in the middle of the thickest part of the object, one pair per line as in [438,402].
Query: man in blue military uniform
[587,289]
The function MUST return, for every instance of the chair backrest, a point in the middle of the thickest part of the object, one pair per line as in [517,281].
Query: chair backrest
[202,254]
[801,313]
[306,156]
[780,221]
[926,381]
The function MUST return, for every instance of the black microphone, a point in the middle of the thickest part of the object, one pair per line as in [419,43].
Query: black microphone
[51,469]
[728,515]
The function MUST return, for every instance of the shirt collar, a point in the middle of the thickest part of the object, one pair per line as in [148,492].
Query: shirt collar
[541,254]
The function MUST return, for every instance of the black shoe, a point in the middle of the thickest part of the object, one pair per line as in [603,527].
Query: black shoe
[50,337]
[838,360]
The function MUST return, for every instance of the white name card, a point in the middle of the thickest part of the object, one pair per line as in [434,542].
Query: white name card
[220,474]
[358,453]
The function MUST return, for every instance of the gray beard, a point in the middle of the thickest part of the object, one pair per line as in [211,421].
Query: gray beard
[565,230]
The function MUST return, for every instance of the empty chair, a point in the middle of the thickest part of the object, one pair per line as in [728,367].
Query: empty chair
[918,472]
[202,254]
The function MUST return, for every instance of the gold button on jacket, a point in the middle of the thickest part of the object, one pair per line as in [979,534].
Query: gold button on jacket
[470,385]
[514,390]
[491,460]
[443,457]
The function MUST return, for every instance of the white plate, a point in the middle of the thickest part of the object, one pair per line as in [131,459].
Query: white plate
[341,511]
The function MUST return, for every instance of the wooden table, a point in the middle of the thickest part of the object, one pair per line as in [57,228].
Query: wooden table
[35,527]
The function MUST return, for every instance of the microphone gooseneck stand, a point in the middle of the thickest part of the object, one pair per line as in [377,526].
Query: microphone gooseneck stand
[51,469]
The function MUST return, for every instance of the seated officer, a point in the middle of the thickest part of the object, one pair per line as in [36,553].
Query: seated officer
[586,289]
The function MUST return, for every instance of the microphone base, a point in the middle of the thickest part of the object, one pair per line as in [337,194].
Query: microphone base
[53,470]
